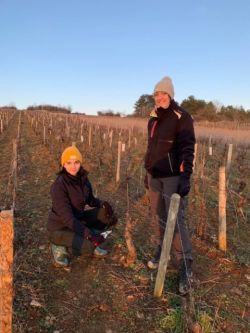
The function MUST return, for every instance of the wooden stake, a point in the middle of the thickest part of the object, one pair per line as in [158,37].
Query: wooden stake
[166,245]
[90,131]
[110,138]
[44,135]
[222,210]
[229,156]
[195,154]
[6,264]
[118,161]
[210,148]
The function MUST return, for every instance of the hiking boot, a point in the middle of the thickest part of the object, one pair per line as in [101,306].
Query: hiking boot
[185,276]
[100,253]
[60,256]
[154,262]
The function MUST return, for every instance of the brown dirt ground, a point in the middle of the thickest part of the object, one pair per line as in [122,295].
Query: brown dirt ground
[102,295]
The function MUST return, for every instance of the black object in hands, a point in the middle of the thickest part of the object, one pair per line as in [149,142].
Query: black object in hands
[184,185]
[96,240]
[108,208]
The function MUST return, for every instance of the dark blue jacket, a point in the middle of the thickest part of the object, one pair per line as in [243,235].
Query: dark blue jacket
[69,196]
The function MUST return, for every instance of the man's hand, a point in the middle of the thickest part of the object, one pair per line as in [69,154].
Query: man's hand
[184,185]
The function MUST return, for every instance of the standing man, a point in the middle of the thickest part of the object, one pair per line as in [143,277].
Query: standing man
[169,163]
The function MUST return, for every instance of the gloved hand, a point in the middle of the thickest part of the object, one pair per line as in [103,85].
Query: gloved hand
[108,208]
[96,240]
[86,232]
[184,185]
[146,182]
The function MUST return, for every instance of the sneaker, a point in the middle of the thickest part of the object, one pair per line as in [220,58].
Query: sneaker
[154,262]
[60,256]
[100,253]
[185,276]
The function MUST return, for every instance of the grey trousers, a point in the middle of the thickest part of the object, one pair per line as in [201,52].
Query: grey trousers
[160,191]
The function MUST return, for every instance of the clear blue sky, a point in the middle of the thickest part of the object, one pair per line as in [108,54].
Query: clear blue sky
[99,55]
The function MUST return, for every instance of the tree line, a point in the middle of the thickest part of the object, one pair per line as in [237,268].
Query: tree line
[198,108]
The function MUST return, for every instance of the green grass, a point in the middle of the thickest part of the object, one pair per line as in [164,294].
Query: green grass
[172,322]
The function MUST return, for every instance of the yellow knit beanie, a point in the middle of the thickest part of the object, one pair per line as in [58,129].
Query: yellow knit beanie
[71,153]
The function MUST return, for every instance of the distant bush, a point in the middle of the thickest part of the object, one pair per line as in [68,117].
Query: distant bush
[50,108]
[6,108]
[109,113]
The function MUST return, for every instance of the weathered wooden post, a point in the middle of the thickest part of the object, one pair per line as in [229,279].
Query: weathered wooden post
[44,135]
[195,154]
[229,156]
[166,245]
[6,263]
[67,128]
[1,126]
[118,161]
[110,138]
[222,210]
[210,148]
[90,135]
[19,126]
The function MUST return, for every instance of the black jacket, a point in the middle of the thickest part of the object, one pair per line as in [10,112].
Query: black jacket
[171,140]
[69,196]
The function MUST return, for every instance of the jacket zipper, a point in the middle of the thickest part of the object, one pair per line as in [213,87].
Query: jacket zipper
[170,164]
[153,129]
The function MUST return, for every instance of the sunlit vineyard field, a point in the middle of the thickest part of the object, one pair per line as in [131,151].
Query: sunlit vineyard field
[108,295]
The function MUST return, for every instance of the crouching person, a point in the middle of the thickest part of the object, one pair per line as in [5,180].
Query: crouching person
[72,228]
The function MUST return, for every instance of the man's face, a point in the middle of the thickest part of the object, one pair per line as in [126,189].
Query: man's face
[162,99]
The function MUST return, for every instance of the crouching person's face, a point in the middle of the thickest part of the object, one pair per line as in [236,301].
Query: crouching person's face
[72,166]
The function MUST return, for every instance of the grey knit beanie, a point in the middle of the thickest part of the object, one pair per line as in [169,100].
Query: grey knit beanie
[165,85]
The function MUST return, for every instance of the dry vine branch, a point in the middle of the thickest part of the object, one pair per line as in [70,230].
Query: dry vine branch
[131,256]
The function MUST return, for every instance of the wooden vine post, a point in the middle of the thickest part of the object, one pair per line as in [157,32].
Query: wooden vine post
[210,148]
[118,168]
[44,135]
[90,135]
[6,264]
[229,155]
[166,245]
[222,210]
[110,138]
[195,154]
